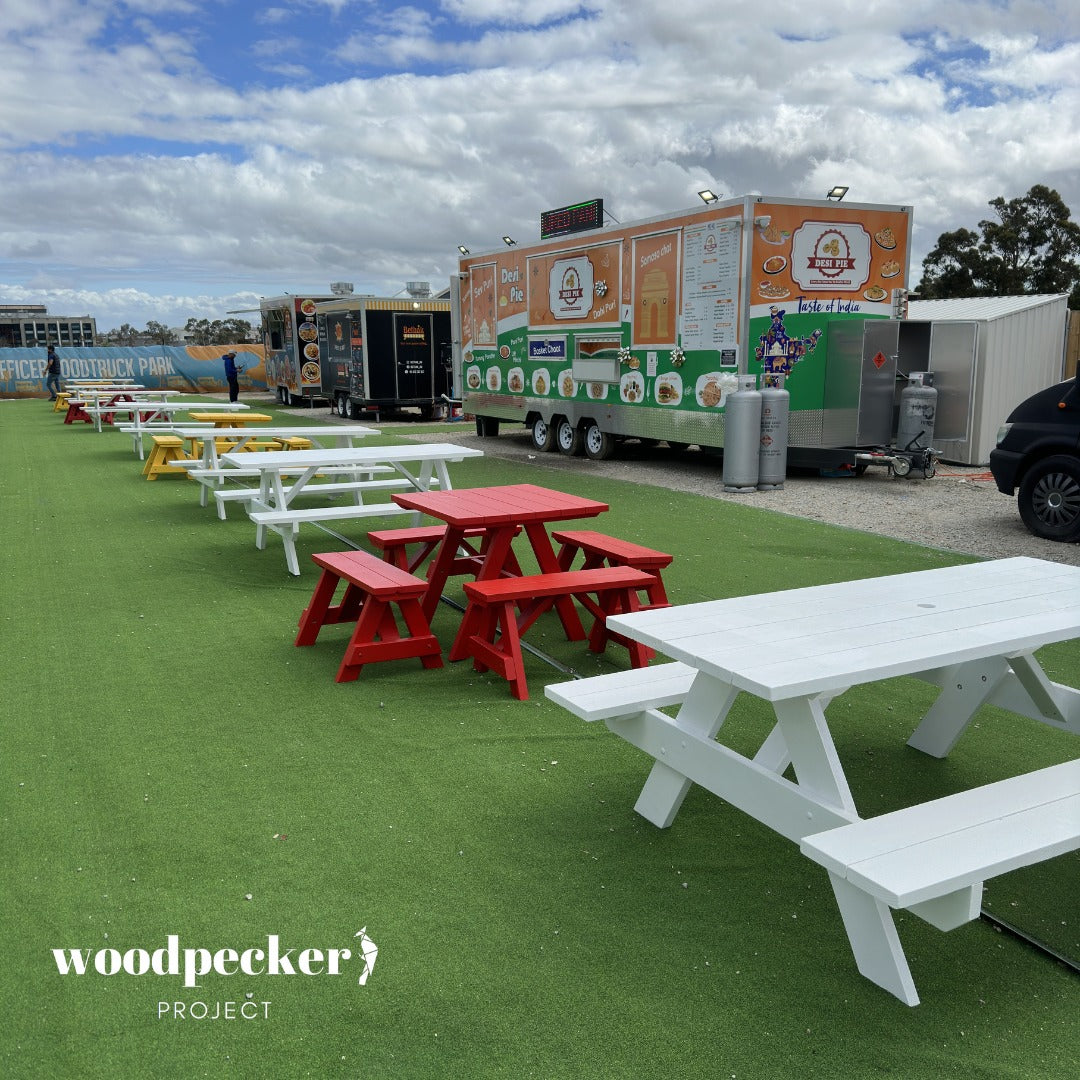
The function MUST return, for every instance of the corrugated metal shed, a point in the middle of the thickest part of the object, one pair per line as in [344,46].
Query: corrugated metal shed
[981,308]
[1019,349]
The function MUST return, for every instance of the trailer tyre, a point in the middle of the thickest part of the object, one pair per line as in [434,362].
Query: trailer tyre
[1049,498]
[599,445]
[543,435]
[569,438]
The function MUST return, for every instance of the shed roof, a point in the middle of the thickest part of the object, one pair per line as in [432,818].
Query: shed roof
[980,307]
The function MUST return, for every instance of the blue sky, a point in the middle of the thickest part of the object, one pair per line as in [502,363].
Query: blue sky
[162,159]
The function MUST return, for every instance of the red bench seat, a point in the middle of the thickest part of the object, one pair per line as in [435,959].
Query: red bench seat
[373,588]
[491,629]
[601,549]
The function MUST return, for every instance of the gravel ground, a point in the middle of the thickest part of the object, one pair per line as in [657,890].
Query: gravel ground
[959,509]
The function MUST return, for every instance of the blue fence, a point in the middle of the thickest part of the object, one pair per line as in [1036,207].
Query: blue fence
[192,368]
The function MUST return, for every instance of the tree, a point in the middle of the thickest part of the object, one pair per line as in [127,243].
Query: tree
[1032,247]
[198,331]
[161,334]
[218,332]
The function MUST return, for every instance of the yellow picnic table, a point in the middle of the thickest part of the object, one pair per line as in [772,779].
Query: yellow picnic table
[231,419]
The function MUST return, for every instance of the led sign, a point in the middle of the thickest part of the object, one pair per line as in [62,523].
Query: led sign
[571,219]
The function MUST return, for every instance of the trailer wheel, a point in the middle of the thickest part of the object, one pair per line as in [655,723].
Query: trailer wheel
[599,445]
[348,409]
[569,439]
[678,447]
[543,435]
[1049,498]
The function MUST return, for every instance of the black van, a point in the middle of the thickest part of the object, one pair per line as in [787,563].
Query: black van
[1038,451]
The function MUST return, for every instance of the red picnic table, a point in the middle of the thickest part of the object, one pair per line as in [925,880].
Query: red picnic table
[502,512]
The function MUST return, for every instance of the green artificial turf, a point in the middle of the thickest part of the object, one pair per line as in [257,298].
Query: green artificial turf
[173,765]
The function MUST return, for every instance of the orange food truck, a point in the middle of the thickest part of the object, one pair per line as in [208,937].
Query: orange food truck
[598,334]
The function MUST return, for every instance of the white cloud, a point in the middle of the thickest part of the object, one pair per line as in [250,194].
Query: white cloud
[522,107]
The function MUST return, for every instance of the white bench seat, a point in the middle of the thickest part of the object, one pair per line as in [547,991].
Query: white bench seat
[333,488]
[937,847]
[271,518]
[286,523]
[932,860]
[624,693]
[215,479]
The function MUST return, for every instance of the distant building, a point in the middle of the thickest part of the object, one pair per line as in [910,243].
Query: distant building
[31,326]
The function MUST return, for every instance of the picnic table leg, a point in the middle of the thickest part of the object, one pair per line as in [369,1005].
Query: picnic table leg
[439,568]
[288,538]
[549,564]
[704,711]
[879,956]
[317,613]
[813,754]
[618,602]
[965,687]
[499,619]
[376,637]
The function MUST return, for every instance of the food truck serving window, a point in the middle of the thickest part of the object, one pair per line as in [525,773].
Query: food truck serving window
[596,359]
[275,328]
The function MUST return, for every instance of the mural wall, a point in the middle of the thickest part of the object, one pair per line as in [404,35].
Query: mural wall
[190,368]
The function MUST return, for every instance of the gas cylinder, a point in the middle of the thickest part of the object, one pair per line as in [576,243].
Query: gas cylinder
[918,407]
[772,450]
[742,436]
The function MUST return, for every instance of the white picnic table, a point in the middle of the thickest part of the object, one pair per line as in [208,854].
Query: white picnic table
[154,416]
[98,402]
[286,475]
[972,630]
[212,473]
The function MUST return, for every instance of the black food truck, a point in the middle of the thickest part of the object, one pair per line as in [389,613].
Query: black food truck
[384,354]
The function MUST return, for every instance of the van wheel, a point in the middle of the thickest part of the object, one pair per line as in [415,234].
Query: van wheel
[1049,498]
[569,439]
[599,445]
[543,435]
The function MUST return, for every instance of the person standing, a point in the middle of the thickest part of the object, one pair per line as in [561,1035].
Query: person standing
[52,373]
[232,373]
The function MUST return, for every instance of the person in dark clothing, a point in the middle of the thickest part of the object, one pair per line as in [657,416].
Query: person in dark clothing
[232,373]
[52,373]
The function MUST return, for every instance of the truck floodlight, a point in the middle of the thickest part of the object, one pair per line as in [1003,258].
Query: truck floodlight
[707,195]
[836,192]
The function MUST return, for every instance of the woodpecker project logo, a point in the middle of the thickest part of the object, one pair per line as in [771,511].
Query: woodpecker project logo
[194,965]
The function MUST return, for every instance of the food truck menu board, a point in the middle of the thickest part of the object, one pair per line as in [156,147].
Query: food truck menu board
[710,294]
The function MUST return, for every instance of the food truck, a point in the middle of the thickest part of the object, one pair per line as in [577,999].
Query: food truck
[596,334]
[384,353]
[291,346]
